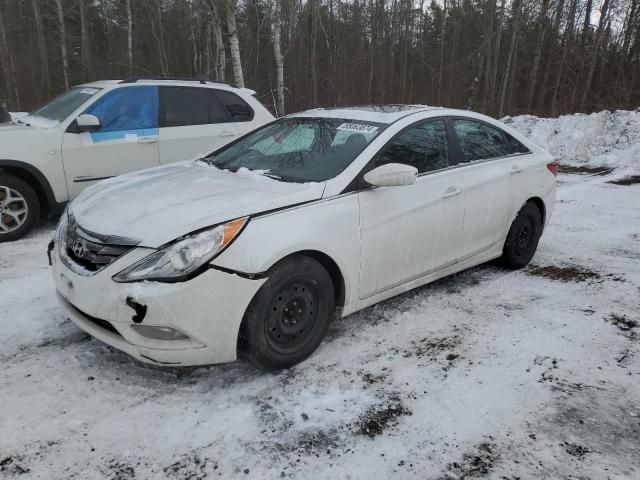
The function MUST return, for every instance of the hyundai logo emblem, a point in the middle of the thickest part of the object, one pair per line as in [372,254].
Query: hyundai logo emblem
[78,248]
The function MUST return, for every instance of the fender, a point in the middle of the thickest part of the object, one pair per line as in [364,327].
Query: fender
[53,207]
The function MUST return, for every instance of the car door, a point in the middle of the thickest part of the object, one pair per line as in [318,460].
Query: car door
[126,141]
[490,171]
[192,122]
[410,231]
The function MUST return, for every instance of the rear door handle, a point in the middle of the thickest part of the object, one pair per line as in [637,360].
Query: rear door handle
[515,169]
[147,139]
[227,134]
[452,192]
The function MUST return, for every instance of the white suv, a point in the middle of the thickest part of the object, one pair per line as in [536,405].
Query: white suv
[107,128]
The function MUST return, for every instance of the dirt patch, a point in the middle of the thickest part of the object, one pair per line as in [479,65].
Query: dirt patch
[478,463]
[585,170]
[623,323]
[630,180]
[192,467]
[13,466]
[432,347]
[371,378]
[316,442]
[381,416]
[116,470]
[576,450]
[570,273]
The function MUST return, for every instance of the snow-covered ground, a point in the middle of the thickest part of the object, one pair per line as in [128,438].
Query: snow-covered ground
[488,373]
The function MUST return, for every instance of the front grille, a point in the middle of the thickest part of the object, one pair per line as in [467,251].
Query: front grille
[92,251]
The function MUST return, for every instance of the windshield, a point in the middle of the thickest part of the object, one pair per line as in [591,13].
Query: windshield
[299,149]
[64,105]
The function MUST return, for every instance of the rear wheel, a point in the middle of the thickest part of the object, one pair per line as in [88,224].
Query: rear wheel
[522,239]
[290,314]
[19,208]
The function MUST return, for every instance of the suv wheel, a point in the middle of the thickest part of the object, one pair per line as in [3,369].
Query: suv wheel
[19,208]
[290,314]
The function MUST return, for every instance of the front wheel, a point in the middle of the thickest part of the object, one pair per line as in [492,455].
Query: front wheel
[522,239]
[290,314]
[19,208]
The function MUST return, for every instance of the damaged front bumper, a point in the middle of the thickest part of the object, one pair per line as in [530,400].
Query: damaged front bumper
[188,323]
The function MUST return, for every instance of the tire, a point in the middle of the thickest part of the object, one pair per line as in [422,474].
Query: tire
[289,316]
[22,197]
[523,237]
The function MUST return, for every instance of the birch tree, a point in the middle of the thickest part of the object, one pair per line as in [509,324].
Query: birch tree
[63,44]
[234,45]
[276,27]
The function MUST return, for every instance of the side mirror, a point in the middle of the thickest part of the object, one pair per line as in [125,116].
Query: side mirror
[88,123]
[392,175]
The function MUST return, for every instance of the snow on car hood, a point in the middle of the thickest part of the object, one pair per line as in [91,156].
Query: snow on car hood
[161,204]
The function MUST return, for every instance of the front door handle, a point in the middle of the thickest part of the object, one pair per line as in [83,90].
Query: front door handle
[227,134]
[147,139]
[452,192]
[515,169]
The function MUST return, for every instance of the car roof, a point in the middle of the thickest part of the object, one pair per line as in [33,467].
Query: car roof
[370,113]
[169,81]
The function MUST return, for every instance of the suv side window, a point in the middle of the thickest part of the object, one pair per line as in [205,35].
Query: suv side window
[183,106]
[479,141]
[424,146]
[238,109]
[127,108]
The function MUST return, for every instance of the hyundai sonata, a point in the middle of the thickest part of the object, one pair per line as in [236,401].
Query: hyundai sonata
[261,244]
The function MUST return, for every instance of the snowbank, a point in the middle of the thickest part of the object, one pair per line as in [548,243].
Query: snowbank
[604,139]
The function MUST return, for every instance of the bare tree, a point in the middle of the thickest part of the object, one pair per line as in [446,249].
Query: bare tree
[85,43]
[63,44]
[129,37]
[541,27]
[7,64]
[604,18]
[230,14]
[43,58]
[276,27]
[517,7]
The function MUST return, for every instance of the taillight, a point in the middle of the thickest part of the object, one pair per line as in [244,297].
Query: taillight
[554,167]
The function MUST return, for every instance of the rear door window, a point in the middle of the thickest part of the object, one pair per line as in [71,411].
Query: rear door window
[480,141]
[424,146]
[187,106]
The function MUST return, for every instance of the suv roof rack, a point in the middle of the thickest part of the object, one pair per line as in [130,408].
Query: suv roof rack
[175,79]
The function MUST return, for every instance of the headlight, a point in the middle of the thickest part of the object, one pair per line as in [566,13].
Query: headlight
[182,258]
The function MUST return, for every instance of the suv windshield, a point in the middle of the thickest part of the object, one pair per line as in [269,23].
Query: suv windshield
[64,105]
[299,149]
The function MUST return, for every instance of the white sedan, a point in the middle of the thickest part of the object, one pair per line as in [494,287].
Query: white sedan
[261,244]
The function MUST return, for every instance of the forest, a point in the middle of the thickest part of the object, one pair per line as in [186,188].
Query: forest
[500,57]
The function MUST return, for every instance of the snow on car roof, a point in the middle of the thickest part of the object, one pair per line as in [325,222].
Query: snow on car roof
[369,113]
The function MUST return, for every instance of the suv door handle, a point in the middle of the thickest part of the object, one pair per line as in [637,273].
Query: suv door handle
[515,169]
[227,134]
[149,139]
[452,192]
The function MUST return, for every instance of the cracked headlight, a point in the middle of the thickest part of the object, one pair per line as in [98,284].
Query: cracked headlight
[179,260]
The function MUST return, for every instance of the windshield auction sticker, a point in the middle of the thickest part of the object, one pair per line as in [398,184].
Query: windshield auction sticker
[89,91]
[358,127]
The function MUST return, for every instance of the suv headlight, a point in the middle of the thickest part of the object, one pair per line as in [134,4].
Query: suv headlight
[182,258]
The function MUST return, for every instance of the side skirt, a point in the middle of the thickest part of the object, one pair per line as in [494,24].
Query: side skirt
[483,257]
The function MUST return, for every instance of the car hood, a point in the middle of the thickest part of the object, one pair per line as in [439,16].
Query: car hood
[161,204]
